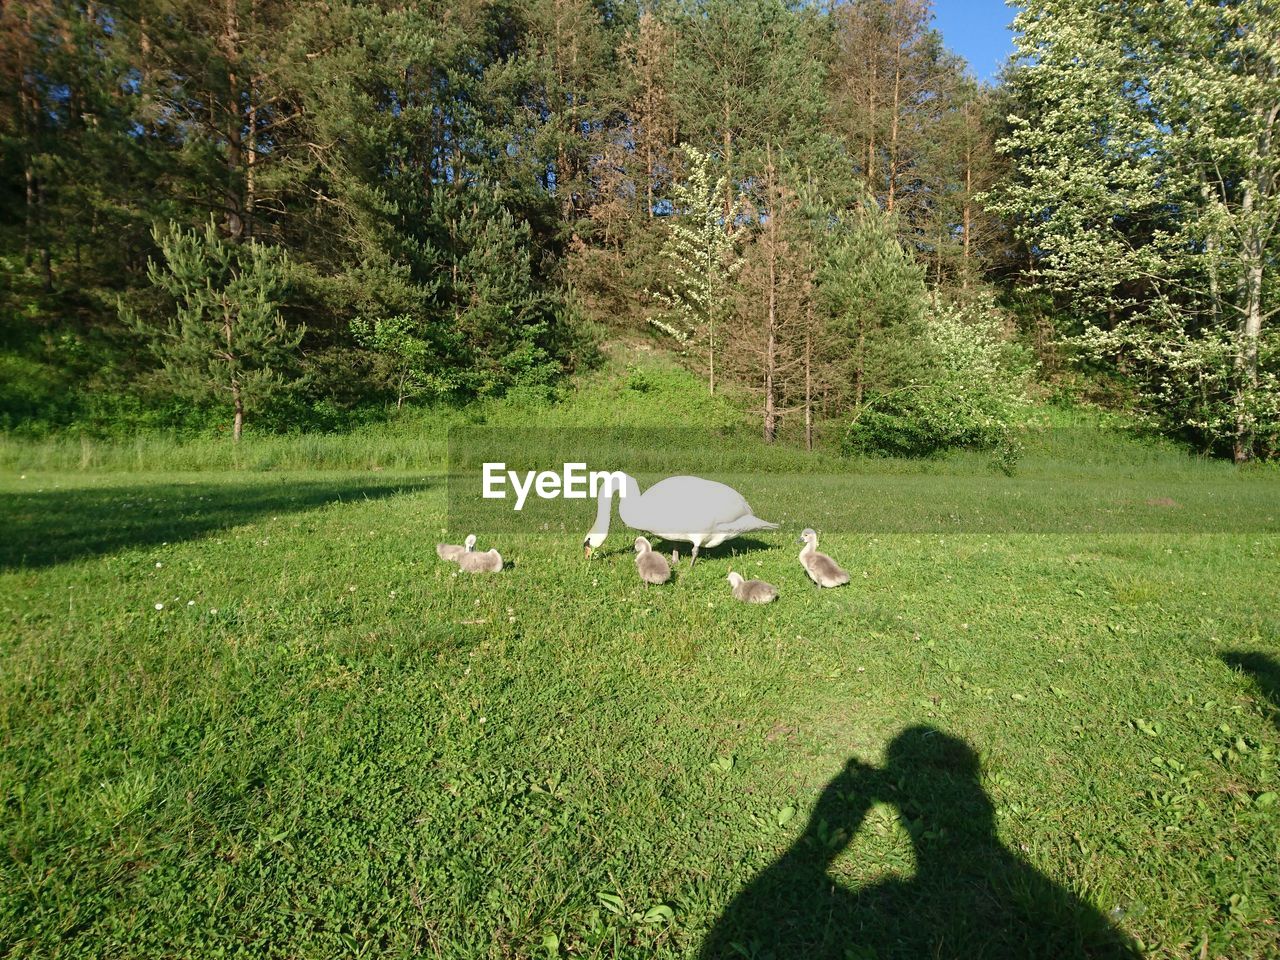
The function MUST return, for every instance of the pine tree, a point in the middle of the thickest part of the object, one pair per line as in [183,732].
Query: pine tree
[876,298]
[768,350]
[748,73]
[570,59]
[648,60]
[890,85]
[225,340]
[954,229]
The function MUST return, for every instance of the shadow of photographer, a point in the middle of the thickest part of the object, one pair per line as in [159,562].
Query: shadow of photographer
[969,897]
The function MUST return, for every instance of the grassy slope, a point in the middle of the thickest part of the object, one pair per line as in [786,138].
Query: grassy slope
[326,744]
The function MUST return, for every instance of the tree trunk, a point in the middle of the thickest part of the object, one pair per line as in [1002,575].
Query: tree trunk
[871,130]
[1258,188]
[711,355]
[27,126]
[1252,255]
[251,151]
[648,179]
[892,171]
[1253,259]
[967,224]
[941,241]
[29,176]
[234,222]
[808,382]
[46,255]
[728,172]
[711,330]
[1247,367]
[1211,254]
[238,424]
[858,370]
[251,156]
[771,338]
[144,53]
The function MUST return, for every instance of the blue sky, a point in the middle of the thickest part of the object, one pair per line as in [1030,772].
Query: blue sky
[978,30]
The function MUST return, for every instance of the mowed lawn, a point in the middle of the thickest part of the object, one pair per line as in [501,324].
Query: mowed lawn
[250,714]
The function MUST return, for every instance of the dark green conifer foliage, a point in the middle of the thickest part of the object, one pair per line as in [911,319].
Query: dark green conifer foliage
[224,341]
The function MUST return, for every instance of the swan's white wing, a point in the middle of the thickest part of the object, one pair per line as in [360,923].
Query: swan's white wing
[745,525]
[691,506]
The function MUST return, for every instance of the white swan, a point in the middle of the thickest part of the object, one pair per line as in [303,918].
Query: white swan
[701,512]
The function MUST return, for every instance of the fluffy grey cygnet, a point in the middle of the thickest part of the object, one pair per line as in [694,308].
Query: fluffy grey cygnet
[752,591]
[653,567]
[474,562]
[452,552]
[821,569]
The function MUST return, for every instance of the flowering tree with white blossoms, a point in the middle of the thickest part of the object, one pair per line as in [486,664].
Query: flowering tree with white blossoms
[1147,182]
[700,249]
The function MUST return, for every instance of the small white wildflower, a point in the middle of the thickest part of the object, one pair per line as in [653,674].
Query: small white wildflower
[511,619]
[159,564]
[477,603]
[214,611]
[595,583]
[191,603]
[393,594]
[351,588]
[862,669]
[159,606]
[482,719]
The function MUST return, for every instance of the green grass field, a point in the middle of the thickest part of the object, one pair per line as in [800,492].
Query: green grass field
[248,713]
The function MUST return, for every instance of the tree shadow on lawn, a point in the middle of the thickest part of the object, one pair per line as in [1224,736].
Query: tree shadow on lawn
[56,526]
[969,897]
[1265,671]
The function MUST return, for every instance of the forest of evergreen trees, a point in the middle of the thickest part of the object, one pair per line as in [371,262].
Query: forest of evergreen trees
[306,213]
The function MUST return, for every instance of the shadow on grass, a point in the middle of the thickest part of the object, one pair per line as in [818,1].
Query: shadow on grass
[55,526]
[969,897]
[1265,670]
[730,548]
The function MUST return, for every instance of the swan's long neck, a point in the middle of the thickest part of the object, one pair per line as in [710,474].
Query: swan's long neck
[603,503]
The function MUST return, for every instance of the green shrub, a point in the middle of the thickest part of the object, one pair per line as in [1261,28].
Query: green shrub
[32,394]
[972,396]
